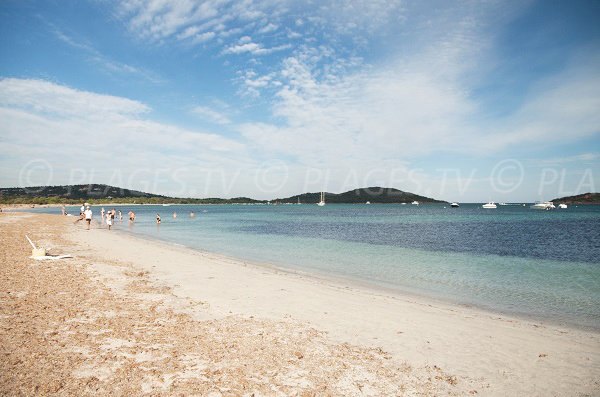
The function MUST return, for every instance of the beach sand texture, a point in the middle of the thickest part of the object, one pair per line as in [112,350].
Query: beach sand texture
[131,317]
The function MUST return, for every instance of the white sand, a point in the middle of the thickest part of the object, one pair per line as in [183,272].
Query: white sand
[503,356]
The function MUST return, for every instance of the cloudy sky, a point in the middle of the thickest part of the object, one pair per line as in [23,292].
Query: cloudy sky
[458,100]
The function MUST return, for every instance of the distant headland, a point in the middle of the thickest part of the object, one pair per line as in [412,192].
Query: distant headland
[105,194]
[585,198]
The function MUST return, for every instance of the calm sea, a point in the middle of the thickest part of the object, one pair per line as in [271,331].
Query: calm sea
[539,264]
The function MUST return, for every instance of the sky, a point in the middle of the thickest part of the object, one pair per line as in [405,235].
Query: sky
[466,101]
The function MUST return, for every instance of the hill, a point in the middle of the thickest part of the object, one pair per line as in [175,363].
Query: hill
[104,194]
[98,193]
[585,198]
[375,195]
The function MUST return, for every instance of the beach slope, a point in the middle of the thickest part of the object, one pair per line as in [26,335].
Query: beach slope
[130,317]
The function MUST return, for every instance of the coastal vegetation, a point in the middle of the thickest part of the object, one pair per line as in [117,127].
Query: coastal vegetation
[585,198]
[100,194]
[105,194]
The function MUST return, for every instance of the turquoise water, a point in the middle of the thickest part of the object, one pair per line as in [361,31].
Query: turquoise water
[539,264]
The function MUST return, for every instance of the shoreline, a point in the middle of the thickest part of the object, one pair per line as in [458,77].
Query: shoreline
[480,352]
[407,327]
[368,286]
[342,281]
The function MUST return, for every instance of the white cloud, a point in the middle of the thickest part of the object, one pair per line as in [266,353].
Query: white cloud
[561,161]
[193,35]
[77,130]
[270,27]
[189,32]
[246,46]
[253,83]
[417,106]
[160,19]
[211,115]
[43,97]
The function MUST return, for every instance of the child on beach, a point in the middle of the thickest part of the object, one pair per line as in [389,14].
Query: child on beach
[81,214]
[120,216]
[109,221]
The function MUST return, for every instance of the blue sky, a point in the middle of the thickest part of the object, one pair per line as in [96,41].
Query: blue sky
[464,100]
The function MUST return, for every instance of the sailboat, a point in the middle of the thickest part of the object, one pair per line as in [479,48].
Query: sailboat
[322,202]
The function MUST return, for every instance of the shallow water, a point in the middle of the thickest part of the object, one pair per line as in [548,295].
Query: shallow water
[540,264]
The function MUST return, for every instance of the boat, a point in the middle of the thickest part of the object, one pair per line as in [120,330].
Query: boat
[562,205]
[454,205]
[543,205]
[322,202]
[415,202]
[368,202]
[489,205]
[502,204]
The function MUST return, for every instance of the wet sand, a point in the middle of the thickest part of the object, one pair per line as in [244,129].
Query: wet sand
[131,317]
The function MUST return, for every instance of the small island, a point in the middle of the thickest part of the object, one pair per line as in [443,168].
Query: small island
[580,199]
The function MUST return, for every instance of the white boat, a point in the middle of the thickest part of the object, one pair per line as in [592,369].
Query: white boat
[415,202]
[322,202]
[454,205]
[562,205]
[543,205]
[403,203]
[489,205]
[368,202]
[502,204]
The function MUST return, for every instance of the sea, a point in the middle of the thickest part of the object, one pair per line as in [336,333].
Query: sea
[514,260]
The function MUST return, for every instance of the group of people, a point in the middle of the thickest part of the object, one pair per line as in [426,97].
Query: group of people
[85,212]
[109,217]
[158,220]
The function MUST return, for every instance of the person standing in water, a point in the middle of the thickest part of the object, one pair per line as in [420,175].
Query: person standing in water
[174,215]
[157,218]
[88,216]
[120,216]
[102,214]
[109,221]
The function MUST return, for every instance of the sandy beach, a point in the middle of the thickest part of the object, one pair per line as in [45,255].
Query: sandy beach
[127,316]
